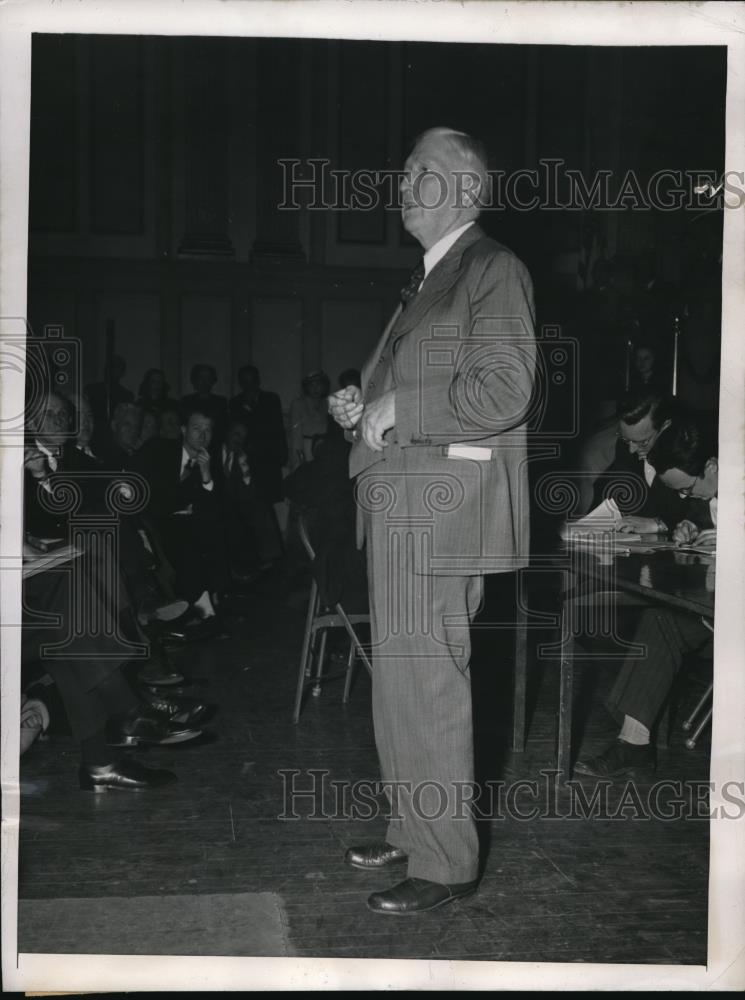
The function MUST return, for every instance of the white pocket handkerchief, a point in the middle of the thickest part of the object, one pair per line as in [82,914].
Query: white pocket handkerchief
[469,451]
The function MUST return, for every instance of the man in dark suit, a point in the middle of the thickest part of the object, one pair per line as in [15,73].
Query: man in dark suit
[125,426]
[87,672]
[203,379]
[630,480]
[185,508]
[105,396]
[442,489]
[266,441]
[684,459]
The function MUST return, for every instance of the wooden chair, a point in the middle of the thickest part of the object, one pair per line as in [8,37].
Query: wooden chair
[318,621]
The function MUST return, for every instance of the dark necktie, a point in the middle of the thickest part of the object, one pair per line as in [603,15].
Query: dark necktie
[187,470]
[412,287]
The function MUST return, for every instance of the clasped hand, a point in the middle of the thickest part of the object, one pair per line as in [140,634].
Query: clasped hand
[372,421]
[687,532]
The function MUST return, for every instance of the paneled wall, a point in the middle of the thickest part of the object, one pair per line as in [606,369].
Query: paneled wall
[157,191]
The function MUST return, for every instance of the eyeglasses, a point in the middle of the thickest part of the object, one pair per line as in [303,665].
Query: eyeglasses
[687,491]
[645,443]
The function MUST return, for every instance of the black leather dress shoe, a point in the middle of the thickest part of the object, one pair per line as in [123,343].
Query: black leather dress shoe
[182,710]
[126,774]
[417,895]
[146,726]
[159,674]
[618,760]
[370,857]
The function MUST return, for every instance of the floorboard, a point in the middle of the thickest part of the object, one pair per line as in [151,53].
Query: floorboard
[618,886]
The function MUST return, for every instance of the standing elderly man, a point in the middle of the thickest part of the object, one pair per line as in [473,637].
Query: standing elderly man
[439,430]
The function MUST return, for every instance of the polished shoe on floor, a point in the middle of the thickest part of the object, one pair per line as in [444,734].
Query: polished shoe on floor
[183,710]
[370,857]
[128,775]
[146,726]
[619,759]
[417,895]
[159,674]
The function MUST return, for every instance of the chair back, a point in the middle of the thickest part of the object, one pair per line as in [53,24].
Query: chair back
[304,537]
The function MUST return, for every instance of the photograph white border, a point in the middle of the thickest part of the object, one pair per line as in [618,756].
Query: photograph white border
[554,23]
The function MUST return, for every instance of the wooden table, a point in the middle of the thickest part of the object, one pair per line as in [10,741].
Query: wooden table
[603,576]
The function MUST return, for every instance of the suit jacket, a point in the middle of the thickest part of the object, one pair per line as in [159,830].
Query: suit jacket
[159,461]
[44,523]
[624,482]
[461,359]
[266,443]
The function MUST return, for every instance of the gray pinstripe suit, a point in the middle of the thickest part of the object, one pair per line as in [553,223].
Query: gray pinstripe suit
[461,359]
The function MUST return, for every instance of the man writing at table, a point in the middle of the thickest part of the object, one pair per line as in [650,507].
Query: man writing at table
[684,458]
[440,459]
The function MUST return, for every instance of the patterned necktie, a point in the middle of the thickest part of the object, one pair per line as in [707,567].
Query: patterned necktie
[411,289]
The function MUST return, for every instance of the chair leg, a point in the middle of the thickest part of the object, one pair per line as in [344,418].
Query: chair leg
[350,672]
[304,670]
[691,741]
[688,724]
[319,663]
[353,636]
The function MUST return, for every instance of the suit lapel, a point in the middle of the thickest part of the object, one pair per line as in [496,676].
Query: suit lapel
[438,282]
[372,361]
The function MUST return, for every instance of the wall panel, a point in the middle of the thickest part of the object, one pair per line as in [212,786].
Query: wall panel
[277,346]
[205,325]
[350,331]
[137,329]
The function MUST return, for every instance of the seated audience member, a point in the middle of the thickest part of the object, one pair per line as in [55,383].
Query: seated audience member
[52,449]
[203,379]
[629,479]
[684,458]
[350,376]
[149,429]
[266,441]
[105,396]
[126,427]
[103,710]
[86,426]
[324,493]
[246,530]
[309,418]
[153,392]
[169,423]
[185,507]
[646,373]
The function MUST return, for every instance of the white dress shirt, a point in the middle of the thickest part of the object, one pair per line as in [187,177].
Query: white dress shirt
[435,253]
[185,459]
[227,464]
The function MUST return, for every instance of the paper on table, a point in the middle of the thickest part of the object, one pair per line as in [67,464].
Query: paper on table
[606,517]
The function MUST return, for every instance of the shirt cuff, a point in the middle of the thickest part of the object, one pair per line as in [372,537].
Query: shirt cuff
[209,486]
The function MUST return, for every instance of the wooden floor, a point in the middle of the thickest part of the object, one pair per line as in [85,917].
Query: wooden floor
[621,886]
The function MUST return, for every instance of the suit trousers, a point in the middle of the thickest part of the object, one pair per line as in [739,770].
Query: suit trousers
[89,677]
[422,703]
[644,683]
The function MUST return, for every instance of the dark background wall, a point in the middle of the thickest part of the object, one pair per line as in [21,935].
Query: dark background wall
[155,183]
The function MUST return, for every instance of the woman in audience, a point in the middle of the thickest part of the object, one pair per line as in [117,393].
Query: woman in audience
[169,427]
[153,393]
[149,430]
[646,374]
